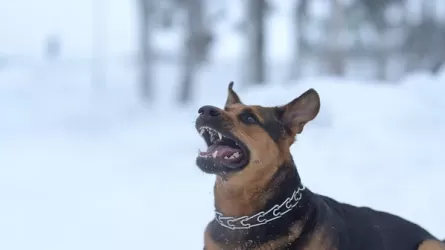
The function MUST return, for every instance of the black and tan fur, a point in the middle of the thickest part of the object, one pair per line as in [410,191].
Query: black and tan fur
[318,222]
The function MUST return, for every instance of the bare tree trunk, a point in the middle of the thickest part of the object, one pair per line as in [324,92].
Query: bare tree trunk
[299,18]
[195,47]
[400,50]
[145,59]
[336,52]
[256,41]
[429,10]
[382,56]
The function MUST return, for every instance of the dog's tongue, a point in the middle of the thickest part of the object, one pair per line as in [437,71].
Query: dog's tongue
[220,151]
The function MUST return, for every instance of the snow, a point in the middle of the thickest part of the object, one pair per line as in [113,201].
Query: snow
[86,166]
[83,169]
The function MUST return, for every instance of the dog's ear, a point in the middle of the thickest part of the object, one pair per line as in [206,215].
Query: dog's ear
[301,110]
[232,97]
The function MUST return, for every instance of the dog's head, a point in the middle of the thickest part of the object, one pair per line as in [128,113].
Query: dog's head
[251,141]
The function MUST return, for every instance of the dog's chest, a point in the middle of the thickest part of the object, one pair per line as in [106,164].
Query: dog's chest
[318,241]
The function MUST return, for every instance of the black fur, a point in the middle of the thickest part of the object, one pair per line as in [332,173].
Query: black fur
[259,235]
[348,227]
[345,227]
[272,124]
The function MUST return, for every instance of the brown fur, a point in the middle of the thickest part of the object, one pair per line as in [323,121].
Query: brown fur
[320,240]
[431,245]
[244,192]
[284,241]
[323,223]
[208,241]
[294,233]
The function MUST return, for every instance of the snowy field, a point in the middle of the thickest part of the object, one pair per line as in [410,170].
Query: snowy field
[83,169]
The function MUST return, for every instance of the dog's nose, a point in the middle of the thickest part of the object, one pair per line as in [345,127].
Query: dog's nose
[209,111]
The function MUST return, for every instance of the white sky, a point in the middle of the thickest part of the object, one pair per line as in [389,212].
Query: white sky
[24,24]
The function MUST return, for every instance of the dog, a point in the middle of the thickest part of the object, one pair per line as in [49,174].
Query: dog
[260,200]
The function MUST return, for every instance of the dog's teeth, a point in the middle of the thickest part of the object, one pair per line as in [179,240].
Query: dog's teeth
[226,157]
[236,154]
[220,136]
[202,131]
[215,154]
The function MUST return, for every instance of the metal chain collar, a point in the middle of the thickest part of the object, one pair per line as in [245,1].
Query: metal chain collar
[263,217]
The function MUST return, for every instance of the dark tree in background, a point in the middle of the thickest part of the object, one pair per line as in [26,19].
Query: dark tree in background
[425,41]
[375,11]
[145,57]
[336,57]
[300,17]
[256,64]
[53,47]
[349,37]
[197,42]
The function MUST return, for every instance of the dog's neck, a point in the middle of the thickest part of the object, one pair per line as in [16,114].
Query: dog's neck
[244,196]
[284,185]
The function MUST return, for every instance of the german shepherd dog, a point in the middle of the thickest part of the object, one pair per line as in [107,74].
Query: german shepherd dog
[260,200]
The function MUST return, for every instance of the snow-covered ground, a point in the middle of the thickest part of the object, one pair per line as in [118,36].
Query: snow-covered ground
[94,170]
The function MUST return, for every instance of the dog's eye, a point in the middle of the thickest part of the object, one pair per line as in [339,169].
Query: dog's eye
[248,118]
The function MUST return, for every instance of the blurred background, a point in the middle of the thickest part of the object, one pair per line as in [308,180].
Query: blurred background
[98,100]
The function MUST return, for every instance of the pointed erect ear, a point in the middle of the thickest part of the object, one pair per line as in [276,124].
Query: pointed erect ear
[301,110]
[232,97]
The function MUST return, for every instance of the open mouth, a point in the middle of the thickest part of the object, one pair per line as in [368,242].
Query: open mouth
[223,150]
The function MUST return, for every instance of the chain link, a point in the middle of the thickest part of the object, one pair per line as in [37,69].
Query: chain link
[261,218]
